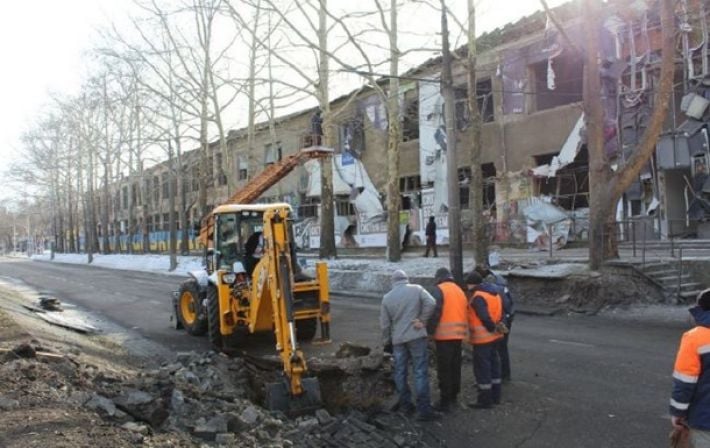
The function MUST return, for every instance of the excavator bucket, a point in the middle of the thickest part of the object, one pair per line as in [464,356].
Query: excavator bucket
[279,398]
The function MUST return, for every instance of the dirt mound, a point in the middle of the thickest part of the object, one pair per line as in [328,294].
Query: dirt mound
[587,292]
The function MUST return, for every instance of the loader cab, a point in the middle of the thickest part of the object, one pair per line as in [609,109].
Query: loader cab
[234,237]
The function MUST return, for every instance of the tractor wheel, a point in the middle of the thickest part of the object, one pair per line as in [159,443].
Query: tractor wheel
[213,321]
[306,329]
[188,309]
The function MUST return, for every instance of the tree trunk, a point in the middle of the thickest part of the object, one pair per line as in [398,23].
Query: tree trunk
[455,248]
[594,114]
[394,244]
[172,215]
[327,218]
[475,192]
[104,210]
[204,152]
[70,211]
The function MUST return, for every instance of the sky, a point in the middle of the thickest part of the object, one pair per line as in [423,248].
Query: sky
[44,44]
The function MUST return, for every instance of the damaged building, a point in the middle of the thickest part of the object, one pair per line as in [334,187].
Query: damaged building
[534,158]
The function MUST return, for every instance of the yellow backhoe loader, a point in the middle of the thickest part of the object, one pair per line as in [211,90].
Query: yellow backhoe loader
[252,283]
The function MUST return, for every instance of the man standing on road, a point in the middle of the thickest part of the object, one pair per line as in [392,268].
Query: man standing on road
[486,329]
[430,234]
[690,401]
[449,327]
[403,317]
[490,277]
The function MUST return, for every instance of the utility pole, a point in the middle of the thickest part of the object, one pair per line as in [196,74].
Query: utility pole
[447,87]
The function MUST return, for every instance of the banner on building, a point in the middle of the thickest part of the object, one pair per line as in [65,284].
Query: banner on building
[433,142]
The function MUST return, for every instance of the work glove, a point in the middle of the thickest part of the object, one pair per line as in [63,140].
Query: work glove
[502,328]
[388,348]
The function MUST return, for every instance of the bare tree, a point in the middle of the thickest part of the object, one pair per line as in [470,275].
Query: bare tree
[607,187]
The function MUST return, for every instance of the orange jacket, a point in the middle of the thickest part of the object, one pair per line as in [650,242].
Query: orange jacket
[452,325]
[478,333]
[691,374]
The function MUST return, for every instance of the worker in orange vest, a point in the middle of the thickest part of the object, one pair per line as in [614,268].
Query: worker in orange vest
[448,326]
[486,330]
[690,400]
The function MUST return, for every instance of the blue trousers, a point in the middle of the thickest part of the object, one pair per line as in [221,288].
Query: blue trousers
[486,367]
[416,352]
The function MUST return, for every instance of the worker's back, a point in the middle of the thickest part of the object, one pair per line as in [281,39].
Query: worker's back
[404,305]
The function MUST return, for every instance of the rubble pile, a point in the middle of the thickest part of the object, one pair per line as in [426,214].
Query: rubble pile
[208,399]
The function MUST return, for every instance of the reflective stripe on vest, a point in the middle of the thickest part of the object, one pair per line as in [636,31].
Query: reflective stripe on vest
[478,334]
[453,324]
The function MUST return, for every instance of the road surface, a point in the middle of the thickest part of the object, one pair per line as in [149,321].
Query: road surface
[577,381]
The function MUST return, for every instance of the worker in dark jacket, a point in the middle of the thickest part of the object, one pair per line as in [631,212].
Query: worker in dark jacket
[501,283]
[486,330]
[690,401]
[448,326]
[430,234]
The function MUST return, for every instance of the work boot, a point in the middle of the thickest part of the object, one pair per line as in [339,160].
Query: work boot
[496,393]
[407,409]
[485,400]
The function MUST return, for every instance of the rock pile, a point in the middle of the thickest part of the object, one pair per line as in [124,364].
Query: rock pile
[207,399]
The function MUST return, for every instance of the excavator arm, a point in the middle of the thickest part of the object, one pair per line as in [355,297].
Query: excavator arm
[262,182]
[295,393]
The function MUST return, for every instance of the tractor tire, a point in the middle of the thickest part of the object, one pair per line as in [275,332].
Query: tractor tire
[213,321]
[188,309]
[306,329]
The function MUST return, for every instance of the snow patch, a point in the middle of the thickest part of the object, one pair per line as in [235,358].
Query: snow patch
[143,263]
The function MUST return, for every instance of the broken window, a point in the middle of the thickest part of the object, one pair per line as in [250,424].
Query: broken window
[568,71]
[410,119]
[569,188]
[489,185]
[484,98]
[272,153]
[410,183]
[352,136]
[243,167]
[308,207]
[343,206]
[488,170]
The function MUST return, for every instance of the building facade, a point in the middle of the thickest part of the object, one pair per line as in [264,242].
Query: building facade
[534,159]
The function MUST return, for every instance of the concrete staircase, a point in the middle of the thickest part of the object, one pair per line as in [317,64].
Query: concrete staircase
[675,283]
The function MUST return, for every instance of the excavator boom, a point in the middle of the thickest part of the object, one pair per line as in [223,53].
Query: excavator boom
[262,182]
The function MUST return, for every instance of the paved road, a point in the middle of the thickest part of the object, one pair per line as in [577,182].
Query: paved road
[578,381]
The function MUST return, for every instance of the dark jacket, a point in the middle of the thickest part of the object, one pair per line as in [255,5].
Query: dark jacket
[430,230]
[691,374]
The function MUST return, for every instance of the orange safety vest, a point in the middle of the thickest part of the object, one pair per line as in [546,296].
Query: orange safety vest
[478,334]
[452,325]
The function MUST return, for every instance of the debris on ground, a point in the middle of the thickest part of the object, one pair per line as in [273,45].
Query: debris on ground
[50,304]
[197,399]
